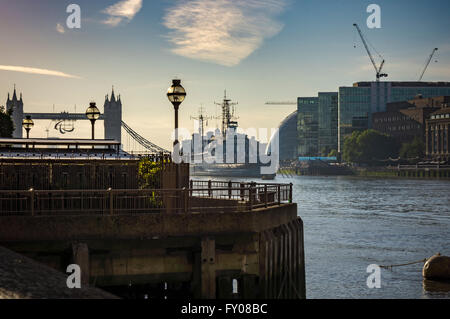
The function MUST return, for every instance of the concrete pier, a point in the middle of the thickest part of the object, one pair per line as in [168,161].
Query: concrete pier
[193,254]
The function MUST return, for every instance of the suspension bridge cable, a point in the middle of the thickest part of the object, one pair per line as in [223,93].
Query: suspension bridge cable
[146,144]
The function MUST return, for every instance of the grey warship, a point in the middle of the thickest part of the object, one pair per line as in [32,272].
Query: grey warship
[238,162]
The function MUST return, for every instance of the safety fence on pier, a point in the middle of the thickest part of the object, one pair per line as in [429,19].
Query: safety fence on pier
[201,196]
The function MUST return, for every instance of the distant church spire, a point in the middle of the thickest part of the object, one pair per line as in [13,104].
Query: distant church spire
[113,98]
[14,94]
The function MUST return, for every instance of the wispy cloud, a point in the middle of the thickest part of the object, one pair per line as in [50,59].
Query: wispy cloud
[122,10]
[222,31]
[25,69]
[60,28]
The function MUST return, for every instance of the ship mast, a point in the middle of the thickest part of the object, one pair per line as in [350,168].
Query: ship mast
[228,118]
[201,119]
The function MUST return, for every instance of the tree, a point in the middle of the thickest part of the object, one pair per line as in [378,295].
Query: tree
[333,153]
[325,151]
[149,174]
[6,122]
[414,150]
[369,147]
[350,151]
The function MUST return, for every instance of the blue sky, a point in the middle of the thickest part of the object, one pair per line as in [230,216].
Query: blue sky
[257,50]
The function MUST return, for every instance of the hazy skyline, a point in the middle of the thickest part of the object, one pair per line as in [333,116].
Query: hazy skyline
[256,50]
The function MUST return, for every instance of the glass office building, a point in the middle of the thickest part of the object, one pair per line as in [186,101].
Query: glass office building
[287,133]
[308,126]
[328,123]
[359,102]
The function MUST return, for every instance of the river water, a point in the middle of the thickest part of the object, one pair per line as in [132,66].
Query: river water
[352,222]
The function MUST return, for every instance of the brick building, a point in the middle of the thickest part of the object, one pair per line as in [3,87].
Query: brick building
[406,120]
[437,130]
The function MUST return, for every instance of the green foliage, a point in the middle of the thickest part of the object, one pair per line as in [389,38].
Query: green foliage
[350,151]
[333,153]
[369,147]
[150,178]
[149,174]
[414,150]
[6,123]
[324,151]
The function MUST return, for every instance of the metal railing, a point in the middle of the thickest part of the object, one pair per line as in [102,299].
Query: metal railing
[257,194]
[420,166]
[216,196]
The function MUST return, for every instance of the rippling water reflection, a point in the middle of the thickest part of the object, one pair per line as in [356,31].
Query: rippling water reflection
[351,223]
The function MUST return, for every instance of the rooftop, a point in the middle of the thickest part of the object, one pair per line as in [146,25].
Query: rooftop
[441,114]
[405,84]
[41,148]
[52,142]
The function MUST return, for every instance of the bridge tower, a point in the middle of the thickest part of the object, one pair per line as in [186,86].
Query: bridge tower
[17,116]
[113,117]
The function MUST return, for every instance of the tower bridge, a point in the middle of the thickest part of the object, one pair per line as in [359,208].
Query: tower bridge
[112,117]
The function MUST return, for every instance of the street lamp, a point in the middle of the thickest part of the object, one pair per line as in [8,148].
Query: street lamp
[176,95]
[27,124]
[92,113]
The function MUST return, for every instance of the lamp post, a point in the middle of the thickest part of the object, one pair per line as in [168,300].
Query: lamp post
[176,95]
[92,113]
[27,124]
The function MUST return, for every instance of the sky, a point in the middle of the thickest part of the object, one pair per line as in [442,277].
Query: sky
[258,50]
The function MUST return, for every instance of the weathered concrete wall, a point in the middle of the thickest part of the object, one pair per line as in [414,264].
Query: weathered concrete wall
[29,228]
[282,267]
[262,250]
[200,204]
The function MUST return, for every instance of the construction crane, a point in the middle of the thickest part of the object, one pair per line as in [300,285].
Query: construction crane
[428,63]
[377,69]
